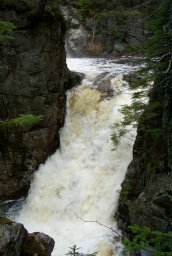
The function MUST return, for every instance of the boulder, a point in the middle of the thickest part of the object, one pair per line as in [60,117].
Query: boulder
[37,244]
[12,236]
[16,241]
[76,41]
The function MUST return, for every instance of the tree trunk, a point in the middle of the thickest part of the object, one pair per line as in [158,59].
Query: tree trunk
[94,29]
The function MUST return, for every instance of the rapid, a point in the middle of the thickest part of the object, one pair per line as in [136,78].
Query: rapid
[81,181]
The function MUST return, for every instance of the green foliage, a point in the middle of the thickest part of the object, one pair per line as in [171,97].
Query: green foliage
[103,13]
[132,115]
[151,76]
[74,251]
[21,121]
[6,26]
[5,29]
[89,8]
[110,19]
[155,242]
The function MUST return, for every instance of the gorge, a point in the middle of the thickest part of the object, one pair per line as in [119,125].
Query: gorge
[77,186]
[83,178]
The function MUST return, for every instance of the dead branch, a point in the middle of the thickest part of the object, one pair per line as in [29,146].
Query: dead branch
[99,223]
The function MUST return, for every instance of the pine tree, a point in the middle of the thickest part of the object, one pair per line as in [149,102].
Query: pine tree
[151,79]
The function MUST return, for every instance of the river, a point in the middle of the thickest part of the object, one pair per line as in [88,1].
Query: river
[81,181]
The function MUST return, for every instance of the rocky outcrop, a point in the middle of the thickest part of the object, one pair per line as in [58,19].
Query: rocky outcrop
[33,79]
[16,241]
[106,32]
[77,36]
[77,40]
[146,194]
[12,236]
[37,243]
[134,32]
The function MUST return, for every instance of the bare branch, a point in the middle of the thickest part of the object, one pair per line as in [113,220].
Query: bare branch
[169,66]
[97,222]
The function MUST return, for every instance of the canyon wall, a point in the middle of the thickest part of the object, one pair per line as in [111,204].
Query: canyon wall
[33,80]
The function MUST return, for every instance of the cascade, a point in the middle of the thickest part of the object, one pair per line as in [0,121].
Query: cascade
[81,180]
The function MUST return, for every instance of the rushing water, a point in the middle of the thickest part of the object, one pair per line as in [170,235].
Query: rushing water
[81,181]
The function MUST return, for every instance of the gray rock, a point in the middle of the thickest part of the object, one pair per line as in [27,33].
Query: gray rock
[46,241]
[12,236]
[15,240]
[119,47]
[69,16]
[75,79]
[37,244]
[76,41]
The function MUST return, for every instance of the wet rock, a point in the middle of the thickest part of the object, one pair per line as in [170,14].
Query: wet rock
[103,84]
[12,236]
[33,79]
[75,79]
[146,195]
[153,207]
[15,240]
[37,244]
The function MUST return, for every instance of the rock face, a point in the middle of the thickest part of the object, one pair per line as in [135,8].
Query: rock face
[76,37]
[12,236]
[15,241]
[146,194]
[33,79]
[107,33]
[134,30]
[37,243]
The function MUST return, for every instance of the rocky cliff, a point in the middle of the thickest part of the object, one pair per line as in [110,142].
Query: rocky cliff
[146,196]
[33,79]
[103,27]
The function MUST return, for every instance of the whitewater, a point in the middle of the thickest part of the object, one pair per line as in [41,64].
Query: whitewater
[81,181]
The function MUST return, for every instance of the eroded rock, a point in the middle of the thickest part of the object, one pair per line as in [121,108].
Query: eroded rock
[146,195]
[33,79]
[16,241]
[77,40]
[12,236]
[37,244]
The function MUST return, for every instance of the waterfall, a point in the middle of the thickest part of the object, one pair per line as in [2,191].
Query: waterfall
[81,180]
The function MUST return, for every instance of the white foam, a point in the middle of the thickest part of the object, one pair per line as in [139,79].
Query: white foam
[82,178]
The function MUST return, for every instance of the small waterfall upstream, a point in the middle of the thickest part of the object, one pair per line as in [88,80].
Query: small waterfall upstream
[82,179]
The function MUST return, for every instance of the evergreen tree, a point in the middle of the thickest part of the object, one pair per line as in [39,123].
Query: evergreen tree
[5,30]
[150,80]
